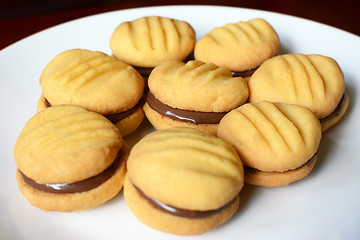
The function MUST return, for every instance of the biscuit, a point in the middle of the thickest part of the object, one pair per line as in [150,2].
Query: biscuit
[240,47]
[312,81]
[183,181]
[277,142]
[96,82]
[194,94]
[147,41]
[69,159]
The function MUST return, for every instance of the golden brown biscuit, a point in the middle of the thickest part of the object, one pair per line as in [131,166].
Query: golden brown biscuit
[148,41]
[194,94]
[183,181]
[276,142]
[312,81]
[96,82]
[240,47]
[69,159]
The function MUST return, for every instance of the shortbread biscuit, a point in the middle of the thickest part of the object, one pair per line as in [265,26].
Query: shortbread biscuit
[183,181]
[69,159]
[277,142]
[312,81]
[147,41]
[240,47]
[194,94]
[96,82]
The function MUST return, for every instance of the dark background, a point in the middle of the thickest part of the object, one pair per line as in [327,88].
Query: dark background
[20,18]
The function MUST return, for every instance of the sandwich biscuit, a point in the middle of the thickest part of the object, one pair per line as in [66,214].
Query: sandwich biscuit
[69,159]
[183,181]
[194,95]
[312,81]
[277,142]
[240,47]
[147,41]
[96,82]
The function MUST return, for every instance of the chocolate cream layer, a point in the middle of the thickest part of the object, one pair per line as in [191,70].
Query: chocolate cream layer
[114,118]
[247,168]
[244,74]
[178,211]
[190,116]
[336,112]
[144,72]
[76,187]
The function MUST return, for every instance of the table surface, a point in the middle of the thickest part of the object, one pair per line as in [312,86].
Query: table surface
[21,18]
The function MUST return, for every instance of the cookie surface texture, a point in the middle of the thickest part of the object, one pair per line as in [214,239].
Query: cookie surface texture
[67,145]
[272,137]
[148,41]
[238,46]
[186,169]
[312,81]
[92,80]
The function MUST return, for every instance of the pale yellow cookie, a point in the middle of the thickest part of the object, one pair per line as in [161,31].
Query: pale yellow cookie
[197,86]
[65,152]
[194,93]
[148,41]
[94,81]
[273,138]
[196,174]
[238,46]
[312,81]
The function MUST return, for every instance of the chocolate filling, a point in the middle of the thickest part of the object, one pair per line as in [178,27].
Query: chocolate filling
[246,73]
[190,116]
[336,112]
[47,103]
[181,212]
[116,117]
[250,169]
[76,187]
[144,71]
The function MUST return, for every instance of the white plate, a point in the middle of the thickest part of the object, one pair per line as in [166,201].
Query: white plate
[325,205]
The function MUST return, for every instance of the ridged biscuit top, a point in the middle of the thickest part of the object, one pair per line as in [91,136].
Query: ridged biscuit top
[186,168]
[66,144]
[148,41]
[197,86]
[92,80]
[272,136]
[239,46]
[312,81]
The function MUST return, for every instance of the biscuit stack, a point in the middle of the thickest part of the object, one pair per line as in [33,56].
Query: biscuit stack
[227,109]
